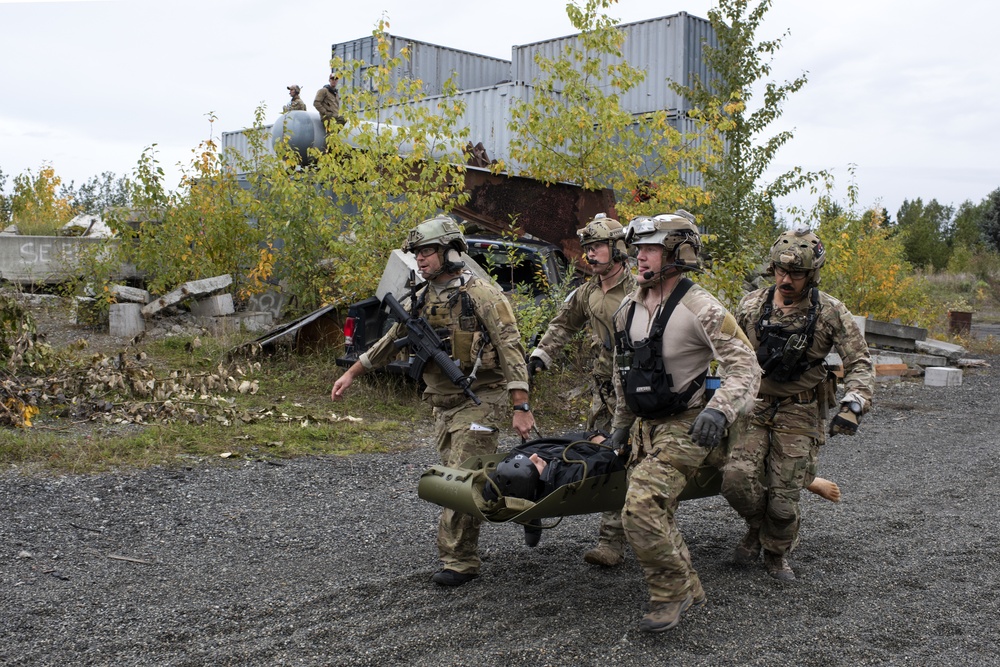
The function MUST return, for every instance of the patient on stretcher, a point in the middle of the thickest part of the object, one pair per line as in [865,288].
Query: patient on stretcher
[535,469]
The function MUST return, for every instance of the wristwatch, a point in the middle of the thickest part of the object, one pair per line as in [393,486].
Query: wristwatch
[522,407]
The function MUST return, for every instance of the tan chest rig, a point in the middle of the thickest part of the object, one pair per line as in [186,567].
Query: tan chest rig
[451,314]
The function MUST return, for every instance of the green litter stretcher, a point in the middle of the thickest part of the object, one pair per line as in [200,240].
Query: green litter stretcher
[461,489]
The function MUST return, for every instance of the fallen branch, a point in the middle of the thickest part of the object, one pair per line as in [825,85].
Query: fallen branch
[130,560]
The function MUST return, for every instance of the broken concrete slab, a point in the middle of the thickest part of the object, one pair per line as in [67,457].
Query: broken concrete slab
[893,336]
[125,320]
[915,359]
[883,358]
[254,320]
[125,293]
[214,306]
[950,351]
[270,301]
[194,288]
[943,376]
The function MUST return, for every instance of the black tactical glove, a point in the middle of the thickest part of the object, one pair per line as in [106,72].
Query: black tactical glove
[707,429]
[535,364]
[846,421]
[619,441]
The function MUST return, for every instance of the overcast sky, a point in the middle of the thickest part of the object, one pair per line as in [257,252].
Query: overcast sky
[907,90]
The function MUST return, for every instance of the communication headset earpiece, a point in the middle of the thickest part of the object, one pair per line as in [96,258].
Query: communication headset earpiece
[685,254]
[452,261]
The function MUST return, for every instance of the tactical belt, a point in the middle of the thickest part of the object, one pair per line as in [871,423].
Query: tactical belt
[807,396]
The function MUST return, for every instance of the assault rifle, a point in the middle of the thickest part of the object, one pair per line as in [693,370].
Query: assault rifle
[426,345]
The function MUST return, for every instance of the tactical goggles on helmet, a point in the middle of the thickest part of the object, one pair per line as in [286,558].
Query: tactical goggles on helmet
[641,226]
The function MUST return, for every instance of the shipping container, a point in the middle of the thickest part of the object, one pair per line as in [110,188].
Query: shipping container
[430,63]
[668,49]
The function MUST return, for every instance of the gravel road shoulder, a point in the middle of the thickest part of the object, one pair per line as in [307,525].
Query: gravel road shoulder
[327,560]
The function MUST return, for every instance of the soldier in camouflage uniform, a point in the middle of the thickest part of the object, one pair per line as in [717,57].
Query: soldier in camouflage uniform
[327,103]
[666,334]
[793,326]
[296,103]
[593,306]
[477,320]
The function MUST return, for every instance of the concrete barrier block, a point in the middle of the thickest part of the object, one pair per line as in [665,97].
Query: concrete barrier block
[942,376]
[125,320]
[213,306]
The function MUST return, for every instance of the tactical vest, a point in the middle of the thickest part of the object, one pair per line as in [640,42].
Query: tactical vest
[781,353]
[644,376]
[452,315]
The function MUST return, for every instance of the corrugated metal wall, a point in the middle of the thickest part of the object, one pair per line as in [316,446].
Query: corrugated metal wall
[430,63]
[668,48]
[487,114]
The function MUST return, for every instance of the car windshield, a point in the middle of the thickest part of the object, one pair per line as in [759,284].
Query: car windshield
[512,267]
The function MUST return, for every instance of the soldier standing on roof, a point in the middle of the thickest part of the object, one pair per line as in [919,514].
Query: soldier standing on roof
[793,326]
[478,322]
[296,103]
[666,334]
[593,306]
[327,103]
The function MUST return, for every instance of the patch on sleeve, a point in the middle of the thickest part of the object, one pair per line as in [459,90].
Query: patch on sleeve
[731,328]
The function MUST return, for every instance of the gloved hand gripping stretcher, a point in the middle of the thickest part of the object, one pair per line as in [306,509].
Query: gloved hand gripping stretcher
[578,476]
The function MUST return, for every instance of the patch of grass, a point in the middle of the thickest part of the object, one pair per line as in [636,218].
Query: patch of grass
[294,389]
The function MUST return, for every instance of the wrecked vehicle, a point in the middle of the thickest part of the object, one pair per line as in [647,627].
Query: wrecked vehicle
[523,263]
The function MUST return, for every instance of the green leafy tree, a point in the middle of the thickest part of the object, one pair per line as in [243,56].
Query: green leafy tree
[36,206]
[966,230]
[573,128]
[741,211]
[925,231]
[991,220]
[98,193]
[395,162]
[5,212]
[322,229]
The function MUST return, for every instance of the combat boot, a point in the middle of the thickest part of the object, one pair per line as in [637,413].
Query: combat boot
[605,554]
[665,615]
[748,550]
[778,567]
[446,577]
[532,534]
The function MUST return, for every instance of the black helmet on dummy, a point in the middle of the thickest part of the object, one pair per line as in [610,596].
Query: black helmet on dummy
[517,476]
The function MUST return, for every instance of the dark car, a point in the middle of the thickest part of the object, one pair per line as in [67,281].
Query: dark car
[537,265]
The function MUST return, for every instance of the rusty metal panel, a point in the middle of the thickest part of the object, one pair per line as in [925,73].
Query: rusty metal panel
[430,63]
[668,48]
[551,213]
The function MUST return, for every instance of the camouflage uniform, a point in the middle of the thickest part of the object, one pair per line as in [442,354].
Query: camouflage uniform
[594,308]
[665,457]
[778,456]
[590,306]
[295,105]
[489,333]
[327,103]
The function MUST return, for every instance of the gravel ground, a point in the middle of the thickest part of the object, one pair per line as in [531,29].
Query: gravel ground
[326,561]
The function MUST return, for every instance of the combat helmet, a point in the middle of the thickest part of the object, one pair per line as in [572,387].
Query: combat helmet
[517,476]
[603,229]
[674,231]
[798,250]
[440,230]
